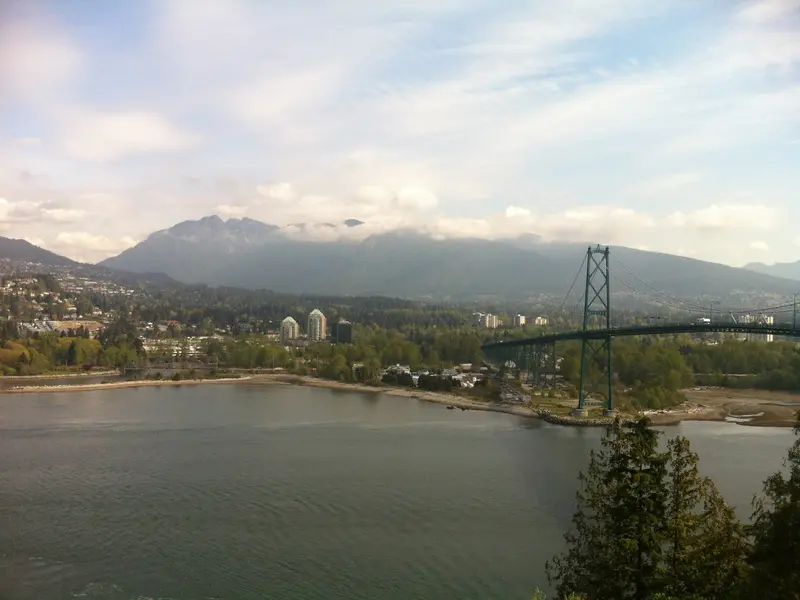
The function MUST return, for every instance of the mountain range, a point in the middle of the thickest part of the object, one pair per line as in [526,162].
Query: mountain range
[790,270]
[249,253]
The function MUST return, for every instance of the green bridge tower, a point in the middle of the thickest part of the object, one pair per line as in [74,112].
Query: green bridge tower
[596,373]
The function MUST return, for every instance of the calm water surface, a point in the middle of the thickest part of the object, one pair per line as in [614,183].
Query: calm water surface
[238,492]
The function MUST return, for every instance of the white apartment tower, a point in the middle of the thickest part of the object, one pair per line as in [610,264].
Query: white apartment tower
[317,326]
[519,321]
[290,330]
[490,321]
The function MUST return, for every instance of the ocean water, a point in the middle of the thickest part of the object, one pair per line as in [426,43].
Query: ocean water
[246,491]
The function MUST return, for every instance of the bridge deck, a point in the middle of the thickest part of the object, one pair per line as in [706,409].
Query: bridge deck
[783,329]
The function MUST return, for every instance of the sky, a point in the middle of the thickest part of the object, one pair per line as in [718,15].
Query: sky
[666,125]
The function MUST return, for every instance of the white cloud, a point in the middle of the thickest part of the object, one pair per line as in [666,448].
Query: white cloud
[274,100]
[416,198]
[30,212]
[454,117]
[97,136]
[667,184]
[282,192]
[35,60]
[27,141]
[447,228]
[382,207]
[227,210]
[89,247]
[724,217]
[64,215]
[760,246]
[761,11]
[516,211]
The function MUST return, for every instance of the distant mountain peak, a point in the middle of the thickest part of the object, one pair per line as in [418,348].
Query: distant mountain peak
[353,222]
[789,270]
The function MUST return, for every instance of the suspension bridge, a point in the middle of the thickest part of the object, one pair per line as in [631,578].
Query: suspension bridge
[536,356]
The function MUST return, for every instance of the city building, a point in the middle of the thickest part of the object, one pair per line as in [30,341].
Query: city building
[768,320]
[519,321]
[762,320]
[540,321]
[489,321]
[342,332]
[290,330]
[317,326]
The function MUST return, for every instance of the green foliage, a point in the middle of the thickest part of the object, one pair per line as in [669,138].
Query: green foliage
[704,542]
[775,556]
[647,526]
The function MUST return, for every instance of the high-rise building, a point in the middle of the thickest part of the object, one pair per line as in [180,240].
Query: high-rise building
[768,320]
[317,326]
[490,321]
[290,330]
[342,332]
[519,321]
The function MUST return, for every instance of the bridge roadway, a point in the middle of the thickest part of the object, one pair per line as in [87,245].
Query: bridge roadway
[782,329]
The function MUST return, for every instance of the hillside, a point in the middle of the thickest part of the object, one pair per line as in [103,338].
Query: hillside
[251,254]
[24,251]
[24,256]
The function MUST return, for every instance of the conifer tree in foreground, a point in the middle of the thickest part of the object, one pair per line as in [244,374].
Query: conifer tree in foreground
[647,526]
[705,545]
[775,556]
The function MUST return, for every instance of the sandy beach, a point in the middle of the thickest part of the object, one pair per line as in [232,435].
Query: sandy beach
[437,397]
[745,407]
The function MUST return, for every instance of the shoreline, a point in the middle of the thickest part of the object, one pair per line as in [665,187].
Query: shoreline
[434,397]
[71,375]
[692,410]
[739,407]
[90,387]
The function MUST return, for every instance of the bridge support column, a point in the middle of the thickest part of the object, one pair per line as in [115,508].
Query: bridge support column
[595,379]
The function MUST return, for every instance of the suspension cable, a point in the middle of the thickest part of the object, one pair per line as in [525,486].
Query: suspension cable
[574,281]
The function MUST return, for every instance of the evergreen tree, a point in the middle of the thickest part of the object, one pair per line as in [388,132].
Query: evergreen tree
[72,354]
[775,555]
[615,546]
[705,544]
[648,527]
